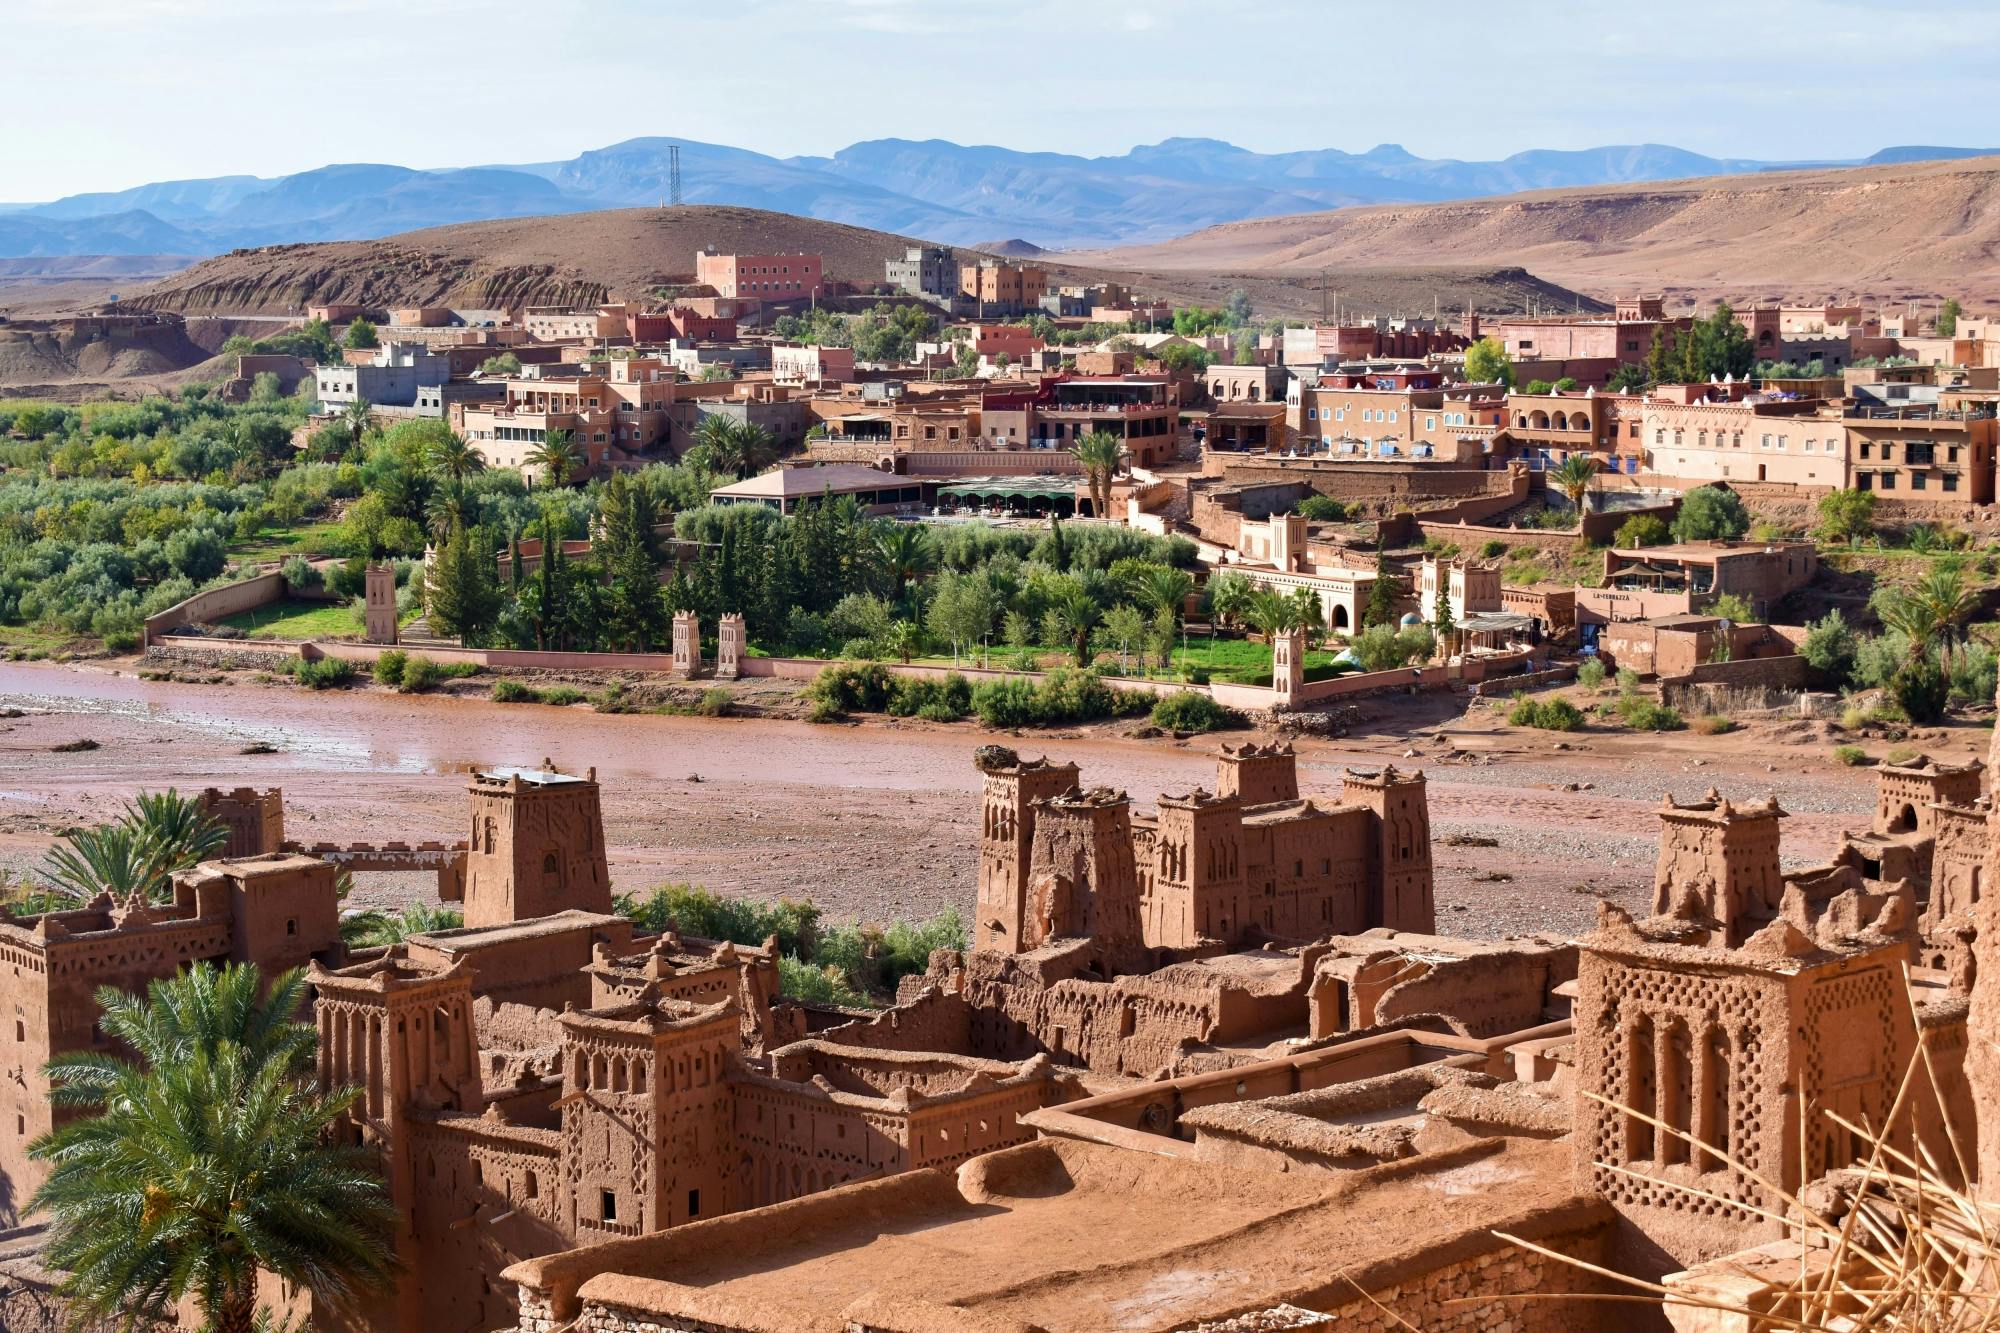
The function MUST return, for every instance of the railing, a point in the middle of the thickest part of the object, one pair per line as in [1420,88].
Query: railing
[1918,414]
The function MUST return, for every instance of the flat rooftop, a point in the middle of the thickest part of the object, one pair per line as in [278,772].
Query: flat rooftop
[1073,1237]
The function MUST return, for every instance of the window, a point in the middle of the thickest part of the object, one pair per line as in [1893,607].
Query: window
[1949,481]
[1430,423]
[291,925]
[1918,480]
[694,1203]
[1888,481]
[1867,449]
[607,1205]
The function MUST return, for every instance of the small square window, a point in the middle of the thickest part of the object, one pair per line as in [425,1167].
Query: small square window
[607,1205]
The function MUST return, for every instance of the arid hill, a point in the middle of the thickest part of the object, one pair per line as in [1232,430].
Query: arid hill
[1915,230]
[625,253]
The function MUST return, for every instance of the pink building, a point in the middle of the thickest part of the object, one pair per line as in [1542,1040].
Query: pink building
[795,277]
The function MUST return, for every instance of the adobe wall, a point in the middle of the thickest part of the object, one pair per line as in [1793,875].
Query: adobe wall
[509,1177]
[1438,1298]
[1486,994]
[215,604]
[1355,480]
[1771,673]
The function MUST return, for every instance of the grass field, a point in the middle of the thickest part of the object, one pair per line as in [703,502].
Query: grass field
[296,619]
[299,539]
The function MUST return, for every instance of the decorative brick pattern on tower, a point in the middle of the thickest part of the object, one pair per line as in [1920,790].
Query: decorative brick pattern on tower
[1258,774]
[1288,664]
[255,819]
[1400,882]
[730,641]
[537,846]
[1083,880]
[379,604]
[1008,798]
[1982,1056]
[1719,861]
[687,644]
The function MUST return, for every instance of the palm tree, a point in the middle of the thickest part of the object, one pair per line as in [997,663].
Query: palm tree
[155,835]
[1227,594]
[1573,477]
[454,458]
[1074,612]
[208,1163]
[1097,454]
[905,553]
[717,433]
[446,511]
[355,417]
[1931,612]
[556,457]
[1271,612]
[906,640]
[1163,588]
[756,450]
[377,928]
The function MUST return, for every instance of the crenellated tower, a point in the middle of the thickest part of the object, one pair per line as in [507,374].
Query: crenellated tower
[536,846]
[1401,885]
[1010,789]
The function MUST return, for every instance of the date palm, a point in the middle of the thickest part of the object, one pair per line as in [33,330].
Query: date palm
[1073,613]
[208,1160]
[1271,612]
[355,417]
[155,835]
[1227,594]
[1097,454]
[376,928]
[1163,588]
[905,554]
[1573,477]
[556,457]
[453,457]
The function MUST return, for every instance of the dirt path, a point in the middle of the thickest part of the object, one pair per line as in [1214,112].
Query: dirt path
[871,821]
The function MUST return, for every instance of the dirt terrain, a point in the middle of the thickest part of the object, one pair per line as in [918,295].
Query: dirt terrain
[879,820]
[1916,230]
[617,254]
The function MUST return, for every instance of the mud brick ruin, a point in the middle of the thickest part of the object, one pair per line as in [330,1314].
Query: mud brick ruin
[1209,1067]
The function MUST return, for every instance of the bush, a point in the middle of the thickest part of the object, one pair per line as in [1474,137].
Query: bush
[1492,549]
[1641,530]
[562,695]
[1921,690]
[419,674]
[1643,714]
[1321,509]
[514,692]
[1192,711]
[1829,649]
[1710,513]
[823,710]
[324,674]
[1005,703]
[945,700]
[1591,675]
[1384,647]
[302,575]
[852,687]
[1850,755]
[1628,681]
[694,910]
[714,703]
[1557,714]
[817,985]
[1975,674]
[1713,725]
[389,667]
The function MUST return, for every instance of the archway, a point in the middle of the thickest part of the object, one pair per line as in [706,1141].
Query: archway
[1340,615]
[1905,820]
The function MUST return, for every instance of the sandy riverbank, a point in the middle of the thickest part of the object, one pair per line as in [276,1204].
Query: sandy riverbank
[873,820]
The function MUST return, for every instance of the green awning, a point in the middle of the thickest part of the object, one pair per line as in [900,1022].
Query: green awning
[1006,488]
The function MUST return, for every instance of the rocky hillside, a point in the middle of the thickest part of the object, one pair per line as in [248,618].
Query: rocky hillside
[621,254]
[1918,230]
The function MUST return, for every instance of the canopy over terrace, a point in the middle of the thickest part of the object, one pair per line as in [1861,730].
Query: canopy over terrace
[1034,494]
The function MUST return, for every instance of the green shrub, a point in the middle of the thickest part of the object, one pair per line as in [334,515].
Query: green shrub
[714,703]
[1641,530]
[389,667]
[817,984]
[562,695]
[694,910]
[852,687]
[514,692]
[944,700]
[1591,675]
[324,674]
[1628,681]
[823,710]
[1192,711]
[1921,690]
[1714,724]
[1321,509]
[1850,755]
[419,674]
[1557,714]
[1492,549]
[1005,703]
[1643,714]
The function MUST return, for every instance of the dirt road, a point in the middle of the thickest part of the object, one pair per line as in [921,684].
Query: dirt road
[871,821]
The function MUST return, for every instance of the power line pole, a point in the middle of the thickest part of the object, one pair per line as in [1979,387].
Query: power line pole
[674,173]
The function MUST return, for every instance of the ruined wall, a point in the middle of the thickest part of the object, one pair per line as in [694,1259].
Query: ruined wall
[1484,994]
[1438,1299]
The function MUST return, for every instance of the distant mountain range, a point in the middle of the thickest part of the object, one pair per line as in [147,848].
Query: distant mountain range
[935,189]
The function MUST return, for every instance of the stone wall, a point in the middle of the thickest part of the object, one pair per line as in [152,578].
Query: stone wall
[228,600]
[1438,1299]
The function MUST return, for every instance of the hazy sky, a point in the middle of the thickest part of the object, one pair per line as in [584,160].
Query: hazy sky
[105,94]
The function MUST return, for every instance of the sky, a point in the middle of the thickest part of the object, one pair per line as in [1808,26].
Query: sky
[107,94]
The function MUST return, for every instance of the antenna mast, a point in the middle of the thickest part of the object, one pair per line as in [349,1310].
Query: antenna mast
[674,173]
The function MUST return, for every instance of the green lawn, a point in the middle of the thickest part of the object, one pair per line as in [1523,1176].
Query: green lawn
[296,619]
[312,539]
